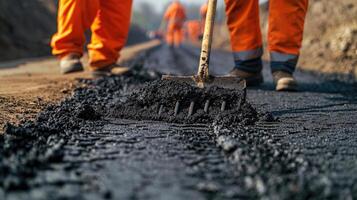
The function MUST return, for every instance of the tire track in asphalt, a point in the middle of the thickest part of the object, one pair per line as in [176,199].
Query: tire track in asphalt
[320,120]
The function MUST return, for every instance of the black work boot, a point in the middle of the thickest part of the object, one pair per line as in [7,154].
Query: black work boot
[252,79]
[283,66]
[250,70]
[284,81]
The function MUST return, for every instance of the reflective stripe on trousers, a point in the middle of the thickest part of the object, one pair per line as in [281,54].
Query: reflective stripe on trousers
[283,62]
[249,61]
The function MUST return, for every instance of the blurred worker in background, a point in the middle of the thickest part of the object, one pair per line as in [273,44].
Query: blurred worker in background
[109,22]
[175,17]
[286,26]
[193,30]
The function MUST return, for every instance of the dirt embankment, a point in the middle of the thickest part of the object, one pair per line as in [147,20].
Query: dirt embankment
[330,44]
[25,27]
[330,39]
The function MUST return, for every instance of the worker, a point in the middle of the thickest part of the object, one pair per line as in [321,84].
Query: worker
[175,17]
[108,21]
[193,30]
[203,13]
[285,34]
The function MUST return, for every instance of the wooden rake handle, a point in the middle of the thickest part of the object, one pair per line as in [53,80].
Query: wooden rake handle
[203,68]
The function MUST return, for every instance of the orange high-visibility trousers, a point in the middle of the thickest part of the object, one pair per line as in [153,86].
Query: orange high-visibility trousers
[285,34]
[108,20]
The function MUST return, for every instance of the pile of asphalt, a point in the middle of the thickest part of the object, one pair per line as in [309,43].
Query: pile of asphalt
[267,168]
[144,104]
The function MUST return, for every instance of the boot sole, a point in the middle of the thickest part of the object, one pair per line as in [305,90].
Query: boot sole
[78,67]
[286,84]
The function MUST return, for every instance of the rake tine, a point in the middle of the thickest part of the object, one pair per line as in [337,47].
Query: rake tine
[243,99]
[206,106]
[223,106]
[177,107]
[190,110]
[244,95]
[161,109]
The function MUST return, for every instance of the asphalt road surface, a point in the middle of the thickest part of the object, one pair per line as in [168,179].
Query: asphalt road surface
[309,151]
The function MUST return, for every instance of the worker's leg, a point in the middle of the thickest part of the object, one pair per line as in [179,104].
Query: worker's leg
[170,35]
[74,17]
[178,36]
[286,26]
[244,26]
[109,32]
[195,31]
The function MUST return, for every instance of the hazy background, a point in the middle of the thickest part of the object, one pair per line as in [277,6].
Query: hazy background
[155,9]
[160,4]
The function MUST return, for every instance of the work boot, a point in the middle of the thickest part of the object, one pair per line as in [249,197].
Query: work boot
[71,63]
[113,69]
[284,81]
[252,79]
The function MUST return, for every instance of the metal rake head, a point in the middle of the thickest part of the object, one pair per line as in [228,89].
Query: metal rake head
[207,105]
